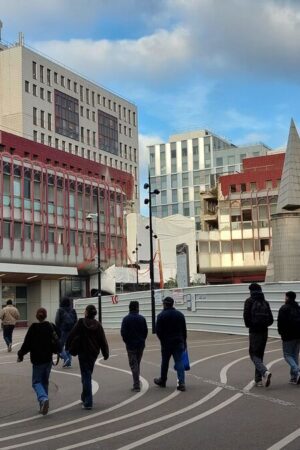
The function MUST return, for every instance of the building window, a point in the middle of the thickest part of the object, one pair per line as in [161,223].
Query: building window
[43,119]
[243,187]
[87,96]
[232,188]
[174,195]
[219,161]
[81,93]
[49,77]
[42,138]
[42,93]
[107,132]
[75,87]
[66,115]
[94,116]
[34,114]
[62,81]
[34,90]
[94,138]
[252,186]
[185,179]
[35,136]
[34,70]
[93,98]
[269,184]
[87,113]
[185,194]
[174,181]
[163,168]
[82,134]
[56,143]
[42,74]
[134,119]
[69,84]
[50,141]
[88,137]
[49,97]
[49,121]
[186,209]
[26,86]
[55,77]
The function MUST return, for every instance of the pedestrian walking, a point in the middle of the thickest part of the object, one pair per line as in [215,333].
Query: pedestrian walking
[171,331]
[41,341]
[9,316]
[134,332]
[258,317]
[86,340]
[288,324]
[65,319]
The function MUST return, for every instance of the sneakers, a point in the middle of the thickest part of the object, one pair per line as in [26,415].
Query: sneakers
[293,381]
[9,348]
[181,387]
[159,382]
[259,384]
[136,389]
[87,408]
[44,407]
[267,378]
[67,364]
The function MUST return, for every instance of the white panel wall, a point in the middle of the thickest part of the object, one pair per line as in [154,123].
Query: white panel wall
[216,308]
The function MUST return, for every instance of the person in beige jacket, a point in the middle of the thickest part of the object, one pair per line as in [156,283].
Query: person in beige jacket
[9,316]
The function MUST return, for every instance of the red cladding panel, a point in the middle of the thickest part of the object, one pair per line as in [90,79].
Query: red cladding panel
[54,157]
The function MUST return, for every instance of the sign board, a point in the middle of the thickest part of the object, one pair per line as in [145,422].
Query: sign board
[176,294]
[183,269]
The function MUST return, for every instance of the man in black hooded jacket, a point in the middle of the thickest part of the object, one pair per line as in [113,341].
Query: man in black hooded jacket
[258,317]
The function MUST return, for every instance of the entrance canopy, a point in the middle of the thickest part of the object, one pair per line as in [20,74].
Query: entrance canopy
[20,273]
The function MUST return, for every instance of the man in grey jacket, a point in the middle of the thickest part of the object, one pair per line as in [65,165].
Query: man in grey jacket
[9,316]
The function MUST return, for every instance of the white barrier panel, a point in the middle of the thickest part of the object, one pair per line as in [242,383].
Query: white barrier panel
[215,308]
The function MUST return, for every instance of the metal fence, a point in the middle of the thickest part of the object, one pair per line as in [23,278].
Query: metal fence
[215,308]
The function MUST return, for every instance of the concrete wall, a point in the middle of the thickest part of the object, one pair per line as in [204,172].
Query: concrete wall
[206,308]
[43,293]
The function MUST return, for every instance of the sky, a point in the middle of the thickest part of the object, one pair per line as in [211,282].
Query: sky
[228,66]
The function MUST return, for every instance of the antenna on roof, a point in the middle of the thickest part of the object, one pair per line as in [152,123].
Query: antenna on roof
[21,38]
[1,26]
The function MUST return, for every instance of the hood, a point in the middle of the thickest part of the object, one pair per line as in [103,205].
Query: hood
[91,324]
[257,296]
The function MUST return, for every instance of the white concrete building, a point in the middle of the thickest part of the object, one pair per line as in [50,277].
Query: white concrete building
[46,102]
[189,164]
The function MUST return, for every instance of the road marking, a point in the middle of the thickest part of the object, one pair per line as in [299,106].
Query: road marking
[175,393]
[95,388]
[5,348]
[166,417]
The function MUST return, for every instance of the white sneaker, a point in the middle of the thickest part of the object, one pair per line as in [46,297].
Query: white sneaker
[9,347]
[267,378]
[259,384]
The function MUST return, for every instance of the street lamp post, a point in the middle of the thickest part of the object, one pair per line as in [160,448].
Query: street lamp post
[148,201]
[136,252]
[92,216]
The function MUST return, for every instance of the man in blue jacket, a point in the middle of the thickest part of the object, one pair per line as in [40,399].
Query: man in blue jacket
[171,331]
[134,332]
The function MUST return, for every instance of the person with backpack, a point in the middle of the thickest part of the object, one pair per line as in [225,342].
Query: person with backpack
[65,319]
[86,340]
[41,341]
[258,317]
[288,324]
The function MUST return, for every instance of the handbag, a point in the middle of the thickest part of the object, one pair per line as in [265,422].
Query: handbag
[185,360]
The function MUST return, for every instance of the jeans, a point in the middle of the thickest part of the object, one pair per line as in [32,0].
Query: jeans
[40,379]
[166,353]
[257,345]
[7,333]
[134,359]
[86,369]
[291,355]
[66,356]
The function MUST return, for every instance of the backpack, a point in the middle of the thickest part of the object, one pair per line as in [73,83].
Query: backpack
[260,314]
[68,320]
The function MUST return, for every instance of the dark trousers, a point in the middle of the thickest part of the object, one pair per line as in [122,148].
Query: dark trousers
[257,345]
[134,359]
[7,333]
[86,370]
[166,352]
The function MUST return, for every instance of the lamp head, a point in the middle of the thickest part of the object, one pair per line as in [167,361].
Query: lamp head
[89,217]
[146,186]
[156,192]
[146,201]
[147,227]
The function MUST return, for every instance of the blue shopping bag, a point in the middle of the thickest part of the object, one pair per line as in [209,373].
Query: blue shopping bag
[186,361]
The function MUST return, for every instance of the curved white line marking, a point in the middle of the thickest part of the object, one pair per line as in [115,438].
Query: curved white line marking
[175,393]
[168,416]
[145,387]
[4,349]
[95,388]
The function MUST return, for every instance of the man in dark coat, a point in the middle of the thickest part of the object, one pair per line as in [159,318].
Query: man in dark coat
[258,317]
[134,332]
[89,338]
[288,323]
[65,319]
[171,331]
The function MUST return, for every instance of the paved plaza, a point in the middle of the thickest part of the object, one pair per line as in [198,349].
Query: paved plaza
[221,408]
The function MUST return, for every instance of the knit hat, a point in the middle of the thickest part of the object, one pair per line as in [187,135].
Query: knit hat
[168,301]
[255,287]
